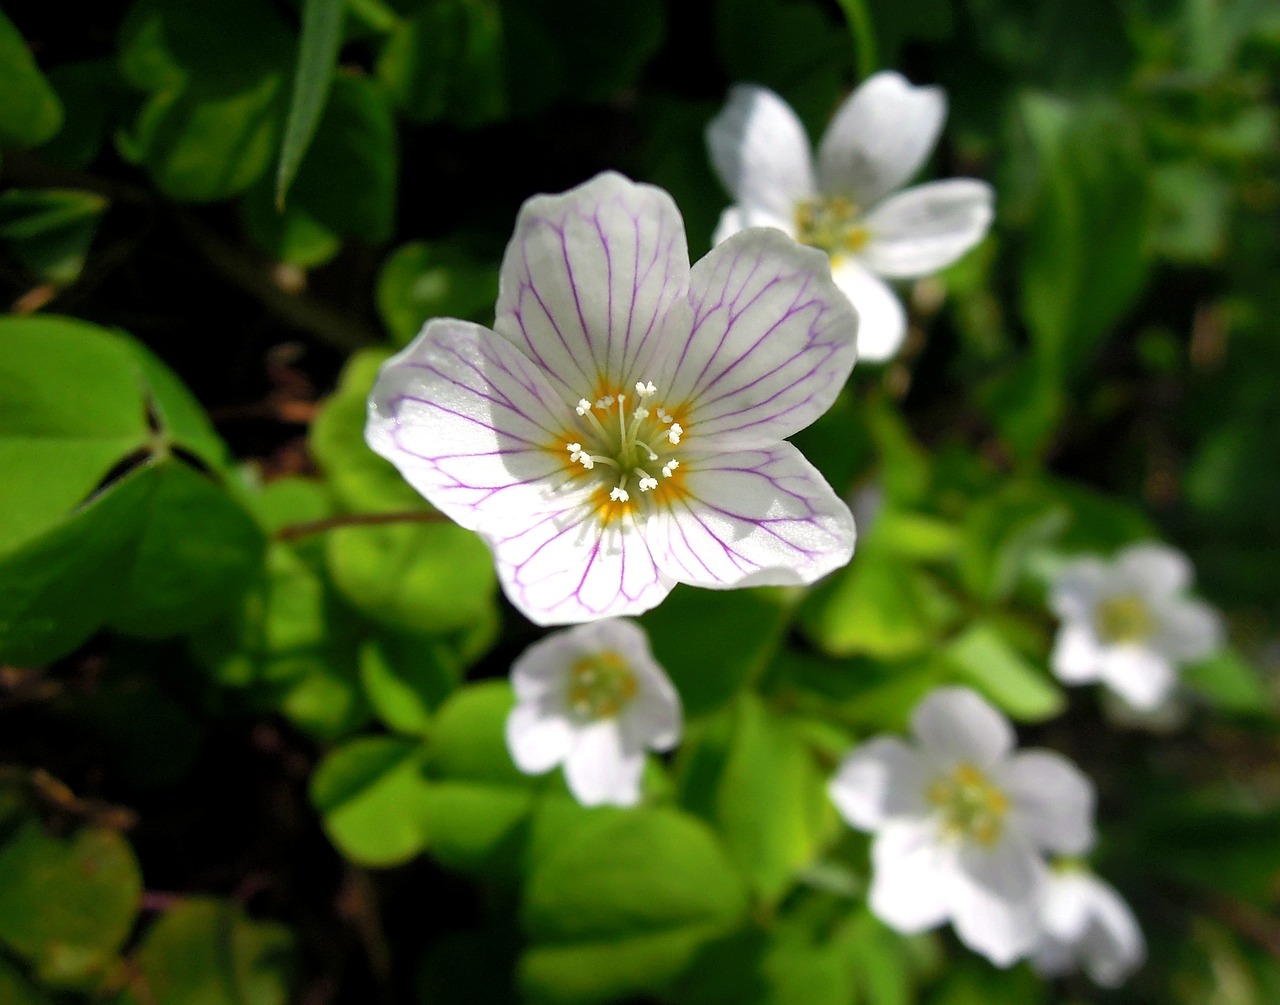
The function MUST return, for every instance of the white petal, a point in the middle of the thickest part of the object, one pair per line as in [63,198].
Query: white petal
[602,768]
[1077,587]
[737,218]
[565,566]
[880,137]
[751,517]
[912,873]
[1156,569]
[1188,630]
[955,726]
[1052,800]
[1140,675]
[1077,656]
[470,422]
[1113,946]
[1085,919]
[1065,906]
[996,896]
[586,280]
[760,151]
[763,344]
[880,779]
[538,736]
[926,228]
[882,320]
[654,719]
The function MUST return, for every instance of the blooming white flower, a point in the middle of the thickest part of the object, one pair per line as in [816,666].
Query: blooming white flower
[1128,623]
[961,823]
[1086,923]
[593,698]
[876,142]
[622,426]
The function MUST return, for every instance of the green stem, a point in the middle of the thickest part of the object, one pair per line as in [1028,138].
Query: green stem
[864,36]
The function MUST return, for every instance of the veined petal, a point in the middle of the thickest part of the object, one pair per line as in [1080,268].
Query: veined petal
[469,422]
[538,736]
[996,896]
[926,228]
[751,517]
[1077,655]
[1052,799]
[955,726]
[763,343]
[881,779]
[587,279]
[737,218]
[882,320]
[880,137]
[760,151]
[912,875]
[1140,675]
[602,768]
[1154,568]
[560,566]
[1188,630]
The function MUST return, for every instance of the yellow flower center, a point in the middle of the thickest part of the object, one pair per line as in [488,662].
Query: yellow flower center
[601,685]
[1124,618]
[832,224]
[970,806]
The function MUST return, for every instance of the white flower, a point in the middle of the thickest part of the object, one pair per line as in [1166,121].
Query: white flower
[1086,923]
[850,206]
[1129,624]
[961,823]
[621,428]
[592,698]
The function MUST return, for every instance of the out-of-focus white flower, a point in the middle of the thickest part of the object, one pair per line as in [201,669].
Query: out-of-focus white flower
[850,206]
[961,823]
[1129,623]
[593,699]
[1085,923]
[623,426]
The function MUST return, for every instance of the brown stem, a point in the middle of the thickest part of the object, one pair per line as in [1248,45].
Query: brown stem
[296,530]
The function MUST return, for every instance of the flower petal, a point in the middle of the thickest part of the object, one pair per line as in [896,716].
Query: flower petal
[760,151]
[1113,946]
[926,228]
[586,280]
[1052,801]
[1154,568]
[469,421]
[911,876]
[1085,919]
[603,768]
[538,736]
[880,779]
[1077,656]
[654,718]
[882,320]
[1141,676]
[762,345]
[736,218]
[751,517]
[560,566]
[1189,630]
[880,137]
[995,900]
[954,726]
[1077,587]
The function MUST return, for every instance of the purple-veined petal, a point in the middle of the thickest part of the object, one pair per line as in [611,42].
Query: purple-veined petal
[760,151]
[573,565]
[1140,675]
[882,320]
[586,280]
[995,899]
[763,344]
[603,768]
[736,218]
[926,228]
[879,138]
[912,874]
[538,736]
[758,517]
[1077,655]
[955,726]
[878,780]
[470,423]
[1052,800]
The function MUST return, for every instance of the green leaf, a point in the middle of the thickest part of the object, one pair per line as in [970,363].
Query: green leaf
[621,903]
[406,678]
[67,906]
[1230,683]
[207,951]
[441,279]
[30,112]
[50,230]
[14,989]
[985,660]
[1002,531]
[93,97]
[317,58]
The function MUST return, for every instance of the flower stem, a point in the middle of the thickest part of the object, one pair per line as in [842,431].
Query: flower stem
[864,35]
[294,531]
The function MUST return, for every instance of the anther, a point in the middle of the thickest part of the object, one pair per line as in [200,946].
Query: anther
[646,390]
[674,434]
[618,494]
[584,406]
[605,402]
[647,482]
[665,416]
[669,468]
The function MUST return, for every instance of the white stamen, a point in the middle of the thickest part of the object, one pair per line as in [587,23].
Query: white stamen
[675,433]
[669,468]
[646,390]
[576,454]
[641,413]
[618,494]
[605,402]
[647,481]
[584,406]
[665,416]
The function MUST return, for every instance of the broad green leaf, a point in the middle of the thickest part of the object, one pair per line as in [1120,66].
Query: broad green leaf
[93,95]
[49,230]
[621,904]
[208,952]
[317,58]
[1230,683]
[985,660]
[1000,534]
[14,989]
[292,235]
[419,281]
[30,112]
[405,679]
[67,905]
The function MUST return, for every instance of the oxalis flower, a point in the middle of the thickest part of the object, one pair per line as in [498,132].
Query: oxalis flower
[592,698]
[1129,624]
[961,823]
[847,206]
[1085,923]
[621,428]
